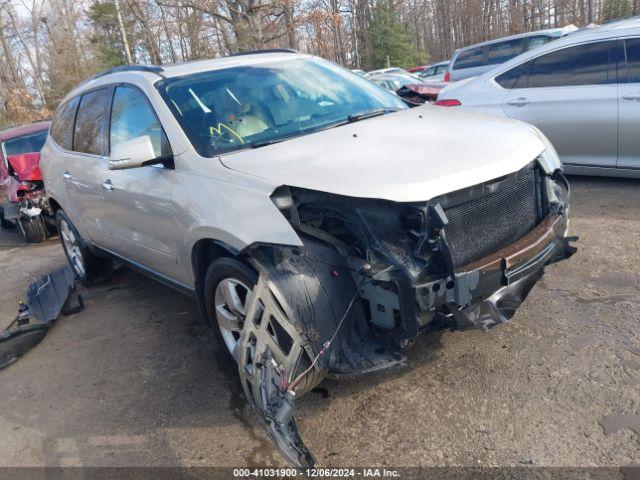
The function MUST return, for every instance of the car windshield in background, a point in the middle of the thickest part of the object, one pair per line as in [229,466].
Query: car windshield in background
[250,106]
[25,144]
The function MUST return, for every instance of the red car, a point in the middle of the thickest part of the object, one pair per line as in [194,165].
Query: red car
[21,187]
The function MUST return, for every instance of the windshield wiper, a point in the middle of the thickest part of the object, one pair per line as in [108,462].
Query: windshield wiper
[376,112]
[356,117]
[268,142]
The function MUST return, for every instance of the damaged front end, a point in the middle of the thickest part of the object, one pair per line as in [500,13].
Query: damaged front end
[24,203]
[372,274]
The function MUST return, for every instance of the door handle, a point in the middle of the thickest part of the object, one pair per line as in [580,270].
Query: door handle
[107,185]
[519,102]
[632,97]
[67,176]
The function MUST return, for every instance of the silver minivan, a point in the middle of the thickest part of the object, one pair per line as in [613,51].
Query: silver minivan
[582,91]
[476,59]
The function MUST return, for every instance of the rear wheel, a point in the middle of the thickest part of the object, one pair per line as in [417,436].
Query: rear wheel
[5,223]
[32,229]
[88,267]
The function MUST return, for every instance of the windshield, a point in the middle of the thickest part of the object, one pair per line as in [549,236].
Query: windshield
[250,106]
[25,144]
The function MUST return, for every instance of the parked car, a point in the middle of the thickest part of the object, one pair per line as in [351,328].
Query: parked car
[384,71]
[357,71]
[435,72]
[476,59]
[417,69]
[412,91]
[23,200]
[582,91]
[319,222]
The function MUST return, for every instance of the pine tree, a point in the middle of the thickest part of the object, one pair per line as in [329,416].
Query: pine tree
[390,39]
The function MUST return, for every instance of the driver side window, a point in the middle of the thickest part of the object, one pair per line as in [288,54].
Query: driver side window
[132,117]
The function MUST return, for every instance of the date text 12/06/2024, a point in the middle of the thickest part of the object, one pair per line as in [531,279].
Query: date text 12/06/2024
[315,473]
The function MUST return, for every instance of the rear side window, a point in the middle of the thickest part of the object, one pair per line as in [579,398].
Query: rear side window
[92,121]
[574,66]
[633,59]
[503,51]
[470,58]
[62,127]
[132,117]
[514,78]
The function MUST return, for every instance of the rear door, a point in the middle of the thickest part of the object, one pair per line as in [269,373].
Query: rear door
[629,104]
[141,213]
[86,165]
[571,94]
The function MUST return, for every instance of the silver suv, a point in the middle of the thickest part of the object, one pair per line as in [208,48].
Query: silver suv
[320,223]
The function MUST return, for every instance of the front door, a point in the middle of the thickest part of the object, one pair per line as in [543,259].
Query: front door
[141,213]
[572,96]
[629,105]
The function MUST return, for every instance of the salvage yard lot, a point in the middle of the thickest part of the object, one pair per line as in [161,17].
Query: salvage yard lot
[136,380]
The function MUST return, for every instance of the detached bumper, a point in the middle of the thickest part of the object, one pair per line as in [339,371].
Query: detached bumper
[488,291]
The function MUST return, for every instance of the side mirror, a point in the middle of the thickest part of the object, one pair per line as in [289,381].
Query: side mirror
[133,153]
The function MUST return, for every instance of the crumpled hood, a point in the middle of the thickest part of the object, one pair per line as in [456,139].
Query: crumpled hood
[411,155]
[26,166]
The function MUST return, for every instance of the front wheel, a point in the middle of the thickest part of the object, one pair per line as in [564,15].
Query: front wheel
[228,285]
[88,267]
[32,229]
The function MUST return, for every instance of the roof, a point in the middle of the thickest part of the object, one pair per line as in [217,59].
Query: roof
[632,22]
[550,31]
[169,70]
[19,130]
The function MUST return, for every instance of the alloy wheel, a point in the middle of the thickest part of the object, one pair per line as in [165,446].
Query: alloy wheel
[72,248]
[231,300]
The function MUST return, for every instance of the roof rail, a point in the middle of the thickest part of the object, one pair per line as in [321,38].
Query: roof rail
[129,68]
[264,50]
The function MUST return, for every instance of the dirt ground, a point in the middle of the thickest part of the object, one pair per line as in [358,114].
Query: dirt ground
[137,380]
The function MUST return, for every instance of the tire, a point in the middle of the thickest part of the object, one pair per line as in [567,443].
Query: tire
[5,223]
[88,267]
[222,269]
[51,225]
[32,229]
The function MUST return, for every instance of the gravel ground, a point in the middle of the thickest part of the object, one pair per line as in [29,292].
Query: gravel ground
[136,379]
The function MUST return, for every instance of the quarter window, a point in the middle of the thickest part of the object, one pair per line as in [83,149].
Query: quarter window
[573,66]
[633,59]
[132,117]
[514,78]
[90,135]
[470,58]
[538,41]
[62,127]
